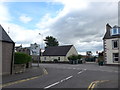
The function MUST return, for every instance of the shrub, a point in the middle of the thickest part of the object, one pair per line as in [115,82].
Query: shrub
[72,57]
[55,60]
[21,58]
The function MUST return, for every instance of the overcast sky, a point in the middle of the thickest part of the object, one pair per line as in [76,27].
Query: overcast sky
[78,22]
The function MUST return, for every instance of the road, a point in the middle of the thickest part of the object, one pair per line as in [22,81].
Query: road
[88,76]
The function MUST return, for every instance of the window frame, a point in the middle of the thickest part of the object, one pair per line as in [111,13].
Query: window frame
[118,30]
[59,58]
[115,58]
[113,44]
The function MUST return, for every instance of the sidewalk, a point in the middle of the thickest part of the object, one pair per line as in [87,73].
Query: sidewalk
[30,72]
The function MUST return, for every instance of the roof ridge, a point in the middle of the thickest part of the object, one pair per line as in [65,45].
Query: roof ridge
[5,37]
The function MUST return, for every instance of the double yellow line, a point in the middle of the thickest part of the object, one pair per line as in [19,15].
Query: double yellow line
[24,80]
[93,84]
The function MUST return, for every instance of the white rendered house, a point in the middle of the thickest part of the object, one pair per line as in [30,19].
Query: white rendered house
[60,53]
[112,45]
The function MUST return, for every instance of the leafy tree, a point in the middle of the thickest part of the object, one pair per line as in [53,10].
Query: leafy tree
[51,41]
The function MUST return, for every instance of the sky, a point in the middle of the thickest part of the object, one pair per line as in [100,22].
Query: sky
[77,22]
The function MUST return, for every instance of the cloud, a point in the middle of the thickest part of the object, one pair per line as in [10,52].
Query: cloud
[25,18]
[82,24]
[21,35]
[4,13]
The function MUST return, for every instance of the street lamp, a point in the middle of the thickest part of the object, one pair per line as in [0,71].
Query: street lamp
[40,51]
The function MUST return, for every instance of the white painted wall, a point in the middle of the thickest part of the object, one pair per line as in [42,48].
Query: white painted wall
[71,52]
[109,51]
[62,58]
[51,58]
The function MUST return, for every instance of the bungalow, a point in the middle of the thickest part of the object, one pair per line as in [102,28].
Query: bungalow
[60,53]
[7,52]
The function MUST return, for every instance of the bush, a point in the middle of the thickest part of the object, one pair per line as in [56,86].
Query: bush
[72,57]
[55,60]
[21,58]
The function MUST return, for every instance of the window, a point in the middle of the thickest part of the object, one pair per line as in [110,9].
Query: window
[115,57]
[114,30]
[44,58]
[58,58]
[119,30]
[115,44]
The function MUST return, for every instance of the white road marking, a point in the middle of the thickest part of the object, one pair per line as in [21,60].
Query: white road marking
[52,85]
[58,82]
[69,77]
[62,80]
[80,72]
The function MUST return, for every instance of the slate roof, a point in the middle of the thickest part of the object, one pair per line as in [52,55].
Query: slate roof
[108,35]
[4,36]
[57,50]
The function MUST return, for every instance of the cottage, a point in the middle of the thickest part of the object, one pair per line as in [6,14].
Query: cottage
[7,52]
[60,53]
[112,44]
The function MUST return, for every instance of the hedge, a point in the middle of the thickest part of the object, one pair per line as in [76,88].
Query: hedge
[21,58]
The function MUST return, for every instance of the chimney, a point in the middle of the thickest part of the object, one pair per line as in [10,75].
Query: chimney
[108,27]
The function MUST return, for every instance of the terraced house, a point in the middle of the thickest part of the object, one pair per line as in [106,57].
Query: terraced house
[112,44]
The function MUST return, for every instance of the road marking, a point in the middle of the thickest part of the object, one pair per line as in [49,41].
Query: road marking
[94,83]
[52,85]
[24,80]
[69,77]
[82,71]
[45,71]
[79,72]
[58,82]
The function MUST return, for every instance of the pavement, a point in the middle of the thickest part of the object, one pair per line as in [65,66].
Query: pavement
[47,76]
[30,72]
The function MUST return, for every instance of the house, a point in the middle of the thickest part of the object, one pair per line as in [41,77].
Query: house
[25,50]
[35,51]
[60,53]
[111,42]
[7,52]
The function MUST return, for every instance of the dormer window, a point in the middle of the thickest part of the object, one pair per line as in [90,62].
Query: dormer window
[115,30]
[119,30]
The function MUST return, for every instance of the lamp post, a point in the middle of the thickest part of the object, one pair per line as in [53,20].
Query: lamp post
[40,51]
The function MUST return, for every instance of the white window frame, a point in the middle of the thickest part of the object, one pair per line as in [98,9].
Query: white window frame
[115,58]
[113,44]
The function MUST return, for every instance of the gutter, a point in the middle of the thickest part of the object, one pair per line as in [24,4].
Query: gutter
[12,59]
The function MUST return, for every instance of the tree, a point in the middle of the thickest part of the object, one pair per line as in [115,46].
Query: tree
[51,41]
